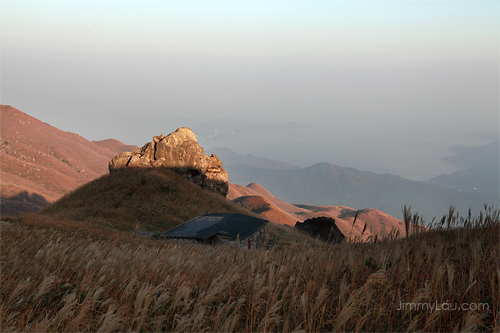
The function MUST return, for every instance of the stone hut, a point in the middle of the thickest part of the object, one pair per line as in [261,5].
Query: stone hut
[222,228]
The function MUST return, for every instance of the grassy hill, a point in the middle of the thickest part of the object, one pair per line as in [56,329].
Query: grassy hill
[153,199]
[156,199]
[64,275]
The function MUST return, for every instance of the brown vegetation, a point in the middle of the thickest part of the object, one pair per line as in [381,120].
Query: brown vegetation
[64,275]
[257,199]
[78,265]
[156,198]
[41,160]
[266,209]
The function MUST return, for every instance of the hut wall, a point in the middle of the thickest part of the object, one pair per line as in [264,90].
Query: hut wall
[254,241]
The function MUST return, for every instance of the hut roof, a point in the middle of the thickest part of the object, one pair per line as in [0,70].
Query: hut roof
[207,225]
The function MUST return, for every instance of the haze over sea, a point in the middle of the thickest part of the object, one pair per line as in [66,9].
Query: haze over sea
[382,86]
[415,157]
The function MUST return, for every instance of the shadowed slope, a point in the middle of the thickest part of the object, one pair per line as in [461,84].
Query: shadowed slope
[260,205]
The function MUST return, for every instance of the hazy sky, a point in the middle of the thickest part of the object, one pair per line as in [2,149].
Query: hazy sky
[110,68]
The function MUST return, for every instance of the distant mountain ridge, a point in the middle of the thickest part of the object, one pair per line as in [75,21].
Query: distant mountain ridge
[483,155]
[325,184]
[482,175]
[483,180]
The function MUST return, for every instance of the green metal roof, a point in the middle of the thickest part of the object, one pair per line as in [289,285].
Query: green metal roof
[207,225]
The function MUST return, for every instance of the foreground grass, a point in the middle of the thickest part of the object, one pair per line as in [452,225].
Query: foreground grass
[62,275]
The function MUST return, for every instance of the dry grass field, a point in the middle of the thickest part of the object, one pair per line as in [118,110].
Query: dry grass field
[68,270]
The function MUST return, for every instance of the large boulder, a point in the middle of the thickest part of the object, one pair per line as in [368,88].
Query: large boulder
[178,151]
[323,228]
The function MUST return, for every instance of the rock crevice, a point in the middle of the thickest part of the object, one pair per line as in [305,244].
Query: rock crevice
[180,152]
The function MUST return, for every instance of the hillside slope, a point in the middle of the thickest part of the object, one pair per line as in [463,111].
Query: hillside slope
[155,199]
[115,145]
[260,205]
[258,199]
[40,163]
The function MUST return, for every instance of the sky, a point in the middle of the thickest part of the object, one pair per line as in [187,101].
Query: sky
[127,69]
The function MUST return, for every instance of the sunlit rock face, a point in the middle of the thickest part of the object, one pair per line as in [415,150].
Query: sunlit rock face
[178,151]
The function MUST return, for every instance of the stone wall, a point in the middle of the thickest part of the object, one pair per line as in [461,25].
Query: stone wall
[256,239]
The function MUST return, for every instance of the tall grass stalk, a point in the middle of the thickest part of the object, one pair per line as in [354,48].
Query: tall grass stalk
[353,223]
[60,275]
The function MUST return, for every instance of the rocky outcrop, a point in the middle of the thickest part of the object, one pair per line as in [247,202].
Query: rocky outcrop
[323,228]
[178,151]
